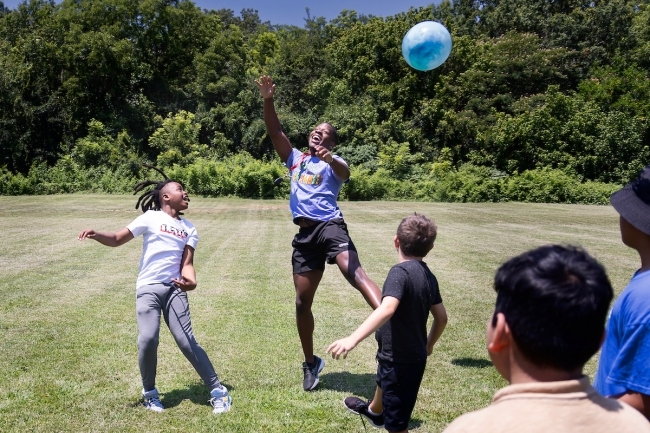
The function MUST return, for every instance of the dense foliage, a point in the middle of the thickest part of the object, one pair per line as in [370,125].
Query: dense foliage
[540,100]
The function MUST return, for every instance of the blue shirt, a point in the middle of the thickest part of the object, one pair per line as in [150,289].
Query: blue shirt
[314,187]
[625,358]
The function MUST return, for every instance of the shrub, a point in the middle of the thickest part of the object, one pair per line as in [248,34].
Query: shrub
[240,175]
[555,186]
[244,176]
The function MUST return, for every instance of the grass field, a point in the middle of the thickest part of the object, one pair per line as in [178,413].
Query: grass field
[68,331]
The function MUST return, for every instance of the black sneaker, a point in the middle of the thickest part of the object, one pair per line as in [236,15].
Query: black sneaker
[360,407]
[310,372]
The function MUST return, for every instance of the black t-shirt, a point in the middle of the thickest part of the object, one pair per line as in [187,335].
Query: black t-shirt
[404,337]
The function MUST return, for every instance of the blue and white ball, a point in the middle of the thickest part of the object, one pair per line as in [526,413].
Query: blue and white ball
[426,46]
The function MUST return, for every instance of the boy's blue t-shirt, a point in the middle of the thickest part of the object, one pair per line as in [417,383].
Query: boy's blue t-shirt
[624,363]
[314,187]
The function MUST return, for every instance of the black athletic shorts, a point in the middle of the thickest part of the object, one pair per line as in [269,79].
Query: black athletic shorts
[322,241]
[399,383]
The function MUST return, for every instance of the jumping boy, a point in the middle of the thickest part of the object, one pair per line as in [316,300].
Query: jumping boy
[166,274]
[316,180]
[548,321]
[624,367]
[409,294]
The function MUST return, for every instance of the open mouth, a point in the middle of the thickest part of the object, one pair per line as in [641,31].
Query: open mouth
[316,137]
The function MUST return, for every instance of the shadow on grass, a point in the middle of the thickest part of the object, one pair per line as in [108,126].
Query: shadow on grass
[472,362]
[358,384]
[196,393]
[413,422]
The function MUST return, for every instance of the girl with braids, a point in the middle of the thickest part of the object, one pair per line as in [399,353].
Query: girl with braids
[166,274]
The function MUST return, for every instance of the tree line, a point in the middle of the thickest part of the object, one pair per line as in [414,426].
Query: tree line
[533,89]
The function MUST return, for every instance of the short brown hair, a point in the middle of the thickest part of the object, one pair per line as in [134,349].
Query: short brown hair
[416,234]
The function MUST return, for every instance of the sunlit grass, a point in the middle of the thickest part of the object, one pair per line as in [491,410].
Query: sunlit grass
[68,331]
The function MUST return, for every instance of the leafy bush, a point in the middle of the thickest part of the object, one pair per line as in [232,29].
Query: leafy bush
[244,176]
[555,186]
[99,148]
[68,176]
[469,184]
[240,175]
[472,183]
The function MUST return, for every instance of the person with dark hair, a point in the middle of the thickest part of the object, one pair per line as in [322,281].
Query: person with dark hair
[410,293]
[548,320]
[624,365]
[166,274]
[316,180]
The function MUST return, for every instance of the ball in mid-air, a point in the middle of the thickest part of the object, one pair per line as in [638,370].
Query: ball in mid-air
[426,45]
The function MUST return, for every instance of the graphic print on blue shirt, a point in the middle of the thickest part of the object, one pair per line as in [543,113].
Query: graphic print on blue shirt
[314,187]
[307,179]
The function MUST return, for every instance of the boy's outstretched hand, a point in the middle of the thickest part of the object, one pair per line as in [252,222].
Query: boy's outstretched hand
[341,347]
[266,86]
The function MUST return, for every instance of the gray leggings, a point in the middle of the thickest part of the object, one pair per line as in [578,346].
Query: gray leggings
[150,301]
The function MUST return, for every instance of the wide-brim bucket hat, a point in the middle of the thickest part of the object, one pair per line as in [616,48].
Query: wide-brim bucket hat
[633,201]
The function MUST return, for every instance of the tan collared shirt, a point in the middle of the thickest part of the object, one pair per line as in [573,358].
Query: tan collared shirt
[571,406]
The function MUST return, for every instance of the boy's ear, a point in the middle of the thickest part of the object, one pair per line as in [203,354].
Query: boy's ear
[396,241]
[499,336]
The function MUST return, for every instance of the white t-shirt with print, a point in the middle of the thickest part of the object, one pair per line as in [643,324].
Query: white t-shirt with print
[165,239]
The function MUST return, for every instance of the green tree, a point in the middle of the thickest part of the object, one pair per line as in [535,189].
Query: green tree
[178,140]
[568,133]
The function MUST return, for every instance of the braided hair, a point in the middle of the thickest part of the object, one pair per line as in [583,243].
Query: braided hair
[150,200]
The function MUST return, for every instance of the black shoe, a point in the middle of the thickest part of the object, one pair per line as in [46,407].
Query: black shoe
[360,407]
[311,373]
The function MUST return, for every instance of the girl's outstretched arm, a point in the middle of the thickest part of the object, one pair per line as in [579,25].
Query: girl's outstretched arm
[109,239]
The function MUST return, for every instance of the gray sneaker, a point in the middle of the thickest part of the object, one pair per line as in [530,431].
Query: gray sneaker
[220,400]
[310,372]
[152,400]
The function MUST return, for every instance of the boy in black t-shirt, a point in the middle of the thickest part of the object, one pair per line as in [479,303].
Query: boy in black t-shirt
[410,292]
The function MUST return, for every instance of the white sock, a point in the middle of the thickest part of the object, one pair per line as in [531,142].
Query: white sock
[372,413]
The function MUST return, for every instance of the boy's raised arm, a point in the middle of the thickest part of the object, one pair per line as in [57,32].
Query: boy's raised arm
[439,322]
[280,141]
[378,317]
[109,239]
